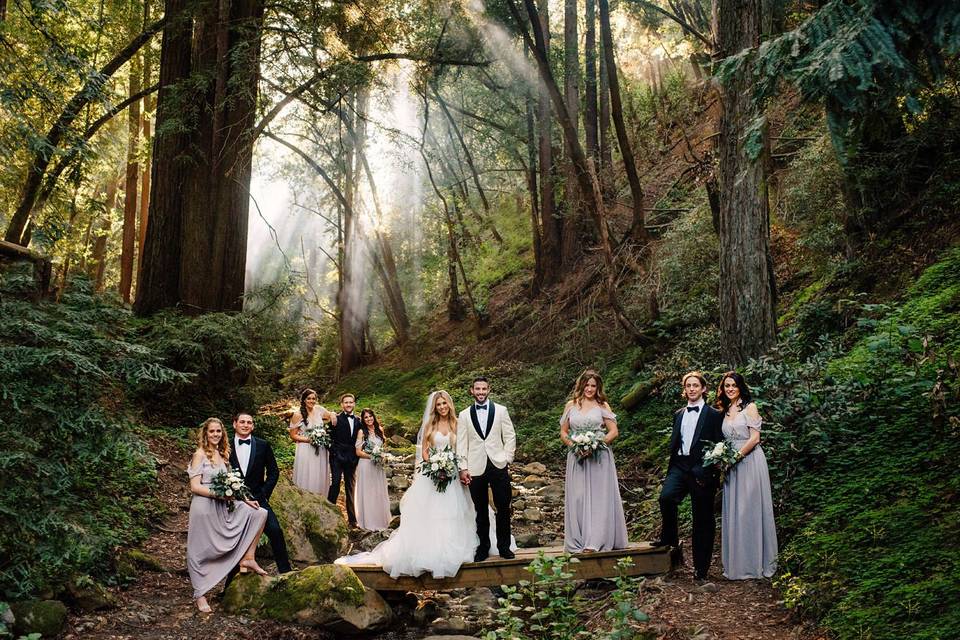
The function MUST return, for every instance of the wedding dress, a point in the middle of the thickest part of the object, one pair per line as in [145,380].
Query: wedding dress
[437,532]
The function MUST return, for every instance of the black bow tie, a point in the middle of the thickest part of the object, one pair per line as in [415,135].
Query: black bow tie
[247,441]
[481,406]
[697,409]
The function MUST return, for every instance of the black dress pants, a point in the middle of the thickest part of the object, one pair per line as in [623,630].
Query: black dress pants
[498,481]
[348,472]
[679,483]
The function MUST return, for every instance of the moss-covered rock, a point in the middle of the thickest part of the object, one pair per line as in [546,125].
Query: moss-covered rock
[639,392]
[45,617]
[313,528]
[89,596]
[144,560]
[327,595]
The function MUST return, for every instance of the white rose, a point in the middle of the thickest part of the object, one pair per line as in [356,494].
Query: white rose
[718,449]
[236,486]
[434,466]
[229,493]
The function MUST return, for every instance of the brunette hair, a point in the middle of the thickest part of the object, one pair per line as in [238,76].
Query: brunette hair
[202,442]
[582,380]
[303,405]
[723,402]
[377,429]
[698,376]
[479,379]
[347,395]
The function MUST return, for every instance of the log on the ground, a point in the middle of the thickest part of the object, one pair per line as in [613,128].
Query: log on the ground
[41,268]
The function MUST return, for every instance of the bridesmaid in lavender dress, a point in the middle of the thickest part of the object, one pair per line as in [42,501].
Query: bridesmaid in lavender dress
[311,467]
[218,540]
[749,534]
[593,512]
[371,501]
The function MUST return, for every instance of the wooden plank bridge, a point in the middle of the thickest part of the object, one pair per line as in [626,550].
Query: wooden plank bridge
[494,571]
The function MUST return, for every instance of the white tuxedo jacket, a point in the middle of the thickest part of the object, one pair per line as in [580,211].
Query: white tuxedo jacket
[496,440]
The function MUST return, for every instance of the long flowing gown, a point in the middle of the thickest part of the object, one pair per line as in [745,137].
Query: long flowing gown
[371,500]
[749,534]
[437,532]
[217,538]
[593,516]
[311,469]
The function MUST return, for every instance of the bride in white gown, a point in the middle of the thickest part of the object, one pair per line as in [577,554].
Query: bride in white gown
[438,530]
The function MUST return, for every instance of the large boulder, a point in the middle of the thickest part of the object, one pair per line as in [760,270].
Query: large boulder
[45,617]
[327,595]
[313,528]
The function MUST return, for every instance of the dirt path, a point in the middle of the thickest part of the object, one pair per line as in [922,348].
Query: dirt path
[158,604]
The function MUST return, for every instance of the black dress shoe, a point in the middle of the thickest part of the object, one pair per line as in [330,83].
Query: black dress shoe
[480,555]
[507,555]
[663,543]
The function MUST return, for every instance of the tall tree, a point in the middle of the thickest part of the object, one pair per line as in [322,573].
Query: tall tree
[571,231]
[549,221]
[130,210]
[637,226]
[210,208]
[590,114]
[747,287]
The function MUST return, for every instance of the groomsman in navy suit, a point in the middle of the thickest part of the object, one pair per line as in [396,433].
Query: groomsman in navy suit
[343,454]
[693,425]
[253,457]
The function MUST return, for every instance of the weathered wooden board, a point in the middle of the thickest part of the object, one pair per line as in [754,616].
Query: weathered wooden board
[647,560]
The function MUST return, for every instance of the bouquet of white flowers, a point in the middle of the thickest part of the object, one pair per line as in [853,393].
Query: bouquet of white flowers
[228,485]
[441,467]
[722,455]
[375,451]
[588,443]
[319,437]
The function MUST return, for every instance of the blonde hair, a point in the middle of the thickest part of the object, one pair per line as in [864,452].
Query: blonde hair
[582,380]
[202,442]
[698,376]
[435,420]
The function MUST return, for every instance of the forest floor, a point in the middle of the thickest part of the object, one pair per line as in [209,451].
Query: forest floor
[157,605]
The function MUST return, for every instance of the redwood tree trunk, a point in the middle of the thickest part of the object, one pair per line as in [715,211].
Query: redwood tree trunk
[747,287]
[638,227]
[130,210]
[549,223]
[159,282]
[590,83]
[569,248]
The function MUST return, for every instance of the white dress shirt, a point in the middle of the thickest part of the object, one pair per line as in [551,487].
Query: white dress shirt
[688,426]
[482,414]
[243,452]
[352,419]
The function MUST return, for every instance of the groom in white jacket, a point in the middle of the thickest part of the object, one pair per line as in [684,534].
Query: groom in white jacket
[487,441]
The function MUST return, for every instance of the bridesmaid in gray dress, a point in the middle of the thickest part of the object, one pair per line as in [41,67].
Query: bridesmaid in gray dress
[217,540]
[593,512]
[311,468]
[749,534]
[371,500]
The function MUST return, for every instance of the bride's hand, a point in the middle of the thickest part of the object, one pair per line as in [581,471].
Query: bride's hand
[465,477]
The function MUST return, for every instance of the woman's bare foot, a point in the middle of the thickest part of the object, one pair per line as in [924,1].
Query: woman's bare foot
[251,565]
[203,606]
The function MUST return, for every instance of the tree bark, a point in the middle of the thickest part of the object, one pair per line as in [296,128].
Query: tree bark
[130,210]
[536,233]
[159,282]
[148,107]
[603,127]
[747,287]
[549,222]
[638,226]
[571,229]
[586,176]
[99,261]
[590,83]
[43,154]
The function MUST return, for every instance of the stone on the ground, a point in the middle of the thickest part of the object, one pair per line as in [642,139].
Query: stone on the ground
[532,514]
[450,625]
[327,595]
[399,441]
[144,560]
[534,468]
[533,482]
[528,540]
[394,522]
[91,597]
[313,528]
[399,482]
[480,599]
[450,638]
[519,505]
[45,617]
[394,507]
[707,587]
[427,610]
[554,490]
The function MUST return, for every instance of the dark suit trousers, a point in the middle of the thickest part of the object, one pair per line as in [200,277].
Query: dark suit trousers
[348,472]
[498,480]
[679,483]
